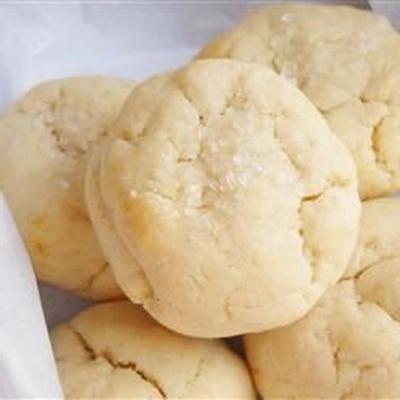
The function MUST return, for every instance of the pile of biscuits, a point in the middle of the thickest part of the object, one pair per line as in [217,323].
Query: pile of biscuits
[246,193]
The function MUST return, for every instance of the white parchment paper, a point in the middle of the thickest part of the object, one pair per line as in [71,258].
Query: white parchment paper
[44,40]
[26,363]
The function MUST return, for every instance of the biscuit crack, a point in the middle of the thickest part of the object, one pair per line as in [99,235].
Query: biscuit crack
[364,299]
[357,275]
[312,198]
[54,133]
[274,59]
[379,160]
[65,147]
[232,102]
[92,355]
[309,252]
[281,147]
[94,277]
[84,343]
[134,367]
[336,363]
[196,374]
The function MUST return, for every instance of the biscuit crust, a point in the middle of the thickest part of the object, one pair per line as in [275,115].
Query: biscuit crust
[233,205]
[348,346]
[115,350]
[44,140]
[347,62]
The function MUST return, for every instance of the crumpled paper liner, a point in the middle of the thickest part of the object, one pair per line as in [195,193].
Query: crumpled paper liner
[26,362]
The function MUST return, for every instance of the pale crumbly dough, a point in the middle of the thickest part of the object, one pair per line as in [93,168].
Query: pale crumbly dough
[348,346]
[224,203]
[347,61]
[115,350]
[44,139]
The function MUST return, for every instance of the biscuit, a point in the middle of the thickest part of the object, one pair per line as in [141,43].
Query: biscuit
[44,139]
[227,203]
[114,350]
[348,346]
[347,61]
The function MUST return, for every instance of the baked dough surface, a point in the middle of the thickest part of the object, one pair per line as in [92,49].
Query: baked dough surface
[115,350]
[224,203]
[44,140]
[347,62]
[348,346]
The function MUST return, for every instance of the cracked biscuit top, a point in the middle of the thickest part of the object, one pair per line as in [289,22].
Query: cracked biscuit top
[348,346]
[347,62]
[224,202]
[116,351]
[44,139]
